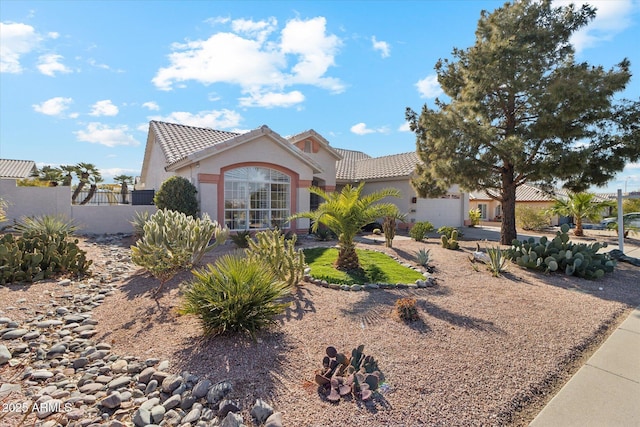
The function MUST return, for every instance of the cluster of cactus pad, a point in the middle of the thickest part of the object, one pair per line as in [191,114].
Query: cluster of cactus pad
[450,242]
[560,254]
[343,376]
[36,256]
[278,253]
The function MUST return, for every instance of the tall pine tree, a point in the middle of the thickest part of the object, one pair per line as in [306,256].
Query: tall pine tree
[521,109]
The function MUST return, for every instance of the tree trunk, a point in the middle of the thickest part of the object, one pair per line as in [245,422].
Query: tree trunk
[508,228]
[347,256]
[83,180]
[123,192]
[578,231]
[92,192]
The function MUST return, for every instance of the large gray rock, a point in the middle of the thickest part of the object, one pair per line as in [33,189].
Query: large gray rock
[201,388]
[261,411]
[232,420]
[112,401]
[275,420]
[218,391]
[5,354]
[142,417]
[171,383]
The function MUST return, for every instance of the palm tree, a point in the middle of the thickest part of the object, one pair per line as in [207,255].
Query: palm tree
[94,180]
[579,206]
[83,171]
[345,213]
[51,175]
[124,181]
[68,171]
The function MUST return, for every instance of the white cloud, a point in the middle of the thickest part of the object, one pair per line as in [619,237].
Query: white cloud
[405,127]
[50,64]
[612,17]
[383,47]
[272,99]
[258,59]
[104,108]
[98,133]
[151,105]
[53,35]
[215,119]
[362,129]
[429,87]
[54,106]
[15,40]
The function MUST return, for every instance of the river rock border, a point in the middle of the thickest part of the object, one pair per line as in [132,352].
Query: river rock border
[67,379]
[428,282]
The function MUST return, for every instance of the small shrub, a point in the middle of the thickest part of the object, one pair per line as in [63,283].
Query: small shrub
[342,376]
[271,248]
[177,194]
[3,210]
[531,218]
[474,216]
[377,231]
[48,225]
[234,295]
[420,230]
[241,238]
[406,309]
[497,261]
[423,256]
[324,234]
[172,241]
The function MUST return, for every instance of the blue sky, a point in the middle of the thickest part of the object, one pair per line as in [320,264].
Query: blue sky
[80,80]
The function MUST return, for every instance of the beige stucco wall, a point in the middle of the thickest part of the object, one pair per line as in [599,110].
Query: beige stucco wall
[155,174]
[38,201]
[328,164]
[440,212]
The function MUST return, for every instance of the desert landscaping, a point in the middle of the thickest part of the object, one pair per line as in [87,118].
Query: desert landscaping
[484,351]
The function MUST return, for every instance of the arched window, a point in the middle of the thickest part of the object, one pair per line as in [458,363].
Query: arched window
[256,198]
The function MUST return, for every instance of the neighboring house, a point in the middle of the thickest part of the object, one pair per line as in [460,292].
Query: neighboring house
[255,180]
[16,169]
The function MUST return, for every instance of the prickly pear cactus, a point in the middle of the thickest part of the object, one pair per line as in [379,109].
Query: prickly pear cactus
[560,254]
[341,376]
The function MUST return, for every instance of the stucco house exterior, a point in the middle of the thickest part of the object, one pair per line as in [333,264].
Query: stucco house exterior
[255,180]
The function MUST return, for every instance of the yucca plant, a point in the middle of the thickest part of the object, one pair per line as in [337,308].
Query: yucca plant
[48,225]
[235,295]
[138,222]
[497,261]
[423,256]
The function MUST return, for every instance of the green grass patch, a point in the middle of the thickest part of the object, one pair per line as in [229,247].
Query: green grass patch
[377,267]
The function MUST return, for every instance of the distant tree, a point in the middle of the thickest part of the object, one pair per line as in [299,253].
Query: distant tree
[94,180]
[523,110]
[50,174]
[124,181]
[68,171]
[83,171]
[580,206]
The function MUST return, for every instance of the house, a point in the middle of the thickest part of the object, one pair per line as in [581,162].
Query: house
[256,180]
[16,169]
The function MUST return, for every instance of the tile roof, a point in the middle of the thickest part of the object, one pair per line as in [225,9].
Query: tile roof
[16,169]
[358,166]
[524,193]
[179,141]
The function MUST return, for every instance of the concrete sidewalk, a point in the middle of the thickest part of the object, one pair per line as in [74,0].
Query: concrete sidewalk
[606,390]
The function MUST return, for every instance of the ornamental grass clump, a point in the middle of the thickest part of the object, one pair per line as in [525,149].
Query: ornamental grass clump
[236,295]
[277,252]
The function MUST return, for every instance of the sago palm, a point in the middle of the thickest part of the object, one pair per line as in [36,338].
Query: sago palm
[580,206]
[345,213]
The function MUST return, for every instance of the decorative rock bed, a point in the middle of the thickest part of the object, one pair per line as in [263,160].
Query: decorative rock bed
[67,379]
